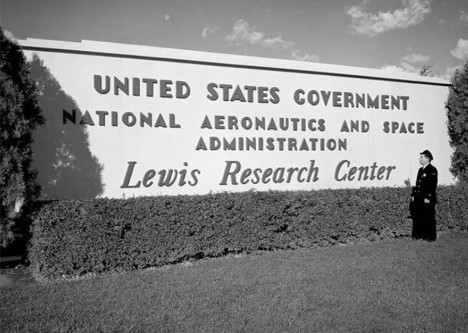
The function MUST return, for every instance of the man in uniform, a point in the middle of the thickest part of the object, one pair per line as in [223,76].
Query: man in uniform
[423,200]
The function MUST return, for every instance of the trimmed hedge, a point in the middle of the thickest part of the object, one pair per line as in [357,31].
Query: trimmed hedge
[90,236]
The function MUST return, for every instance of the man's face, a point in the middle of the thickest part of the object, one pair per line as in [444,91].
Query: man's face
[423,159]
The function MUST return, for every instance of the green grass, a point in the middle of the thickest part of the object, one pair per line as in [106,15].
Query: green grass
[390,286]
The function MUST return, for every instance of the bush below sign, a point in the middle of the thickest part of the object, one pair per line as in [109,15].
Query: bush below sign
[72,238]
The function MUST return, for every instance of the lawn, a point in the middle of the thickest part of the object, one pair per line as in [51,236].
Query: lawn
[389,286]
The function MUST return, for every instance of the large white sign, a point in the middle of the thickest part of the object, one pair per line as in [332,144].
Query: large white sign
[126,120]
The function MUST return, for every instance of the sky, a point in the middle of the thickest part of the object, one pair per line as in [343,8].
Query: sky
[395,35]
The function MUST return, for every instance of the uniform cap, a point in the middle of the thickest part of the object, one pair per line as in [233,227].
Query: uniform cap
[428,154]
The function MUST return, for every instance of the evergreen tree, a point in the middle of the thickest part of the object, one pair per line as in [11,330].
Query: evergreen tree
[457,113]
[19,115]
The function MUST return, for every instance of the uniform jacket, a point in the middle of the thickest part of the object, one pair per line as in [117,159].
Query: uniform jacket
[426,184]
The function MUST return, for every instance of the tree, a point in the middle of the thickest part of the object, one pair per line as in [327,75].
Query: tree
[457,113]
[426,70]
[19,116]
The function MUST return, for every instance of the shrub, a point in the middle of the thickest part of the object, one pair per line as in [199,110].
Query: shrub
[91,236]
[20,114]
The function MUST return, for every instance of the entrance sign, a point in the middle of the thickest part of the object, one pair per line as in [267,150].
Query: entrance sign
[164,121]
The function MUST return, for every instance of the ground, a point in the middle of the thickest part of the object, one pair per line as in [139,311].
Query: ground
[397,285]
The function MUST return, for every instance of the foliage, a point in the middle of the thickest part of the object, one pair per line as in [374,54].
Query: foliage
[457,113]
[20,114]
[92,236]
[426,70]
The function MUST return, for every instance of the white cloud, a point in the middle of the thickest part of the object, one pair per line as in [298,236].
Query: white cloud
[392,68]
[298,55]
[167,17]
[448,73]
[369,24]
[209,31]
[461,50]
[411,63]
[416,58]
[463,16]
[277,42]
[403,67]
[243,33]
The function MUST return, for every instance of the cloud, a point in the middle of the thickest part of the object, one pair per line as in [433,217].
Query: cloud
[243,33]
[411,63]
[368,24]
[393,68]
[209,31]
[167,17]
[461,50]
[416,58]
[403,68]
[463,16]
[449,71]
[415,67]
[298,55]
